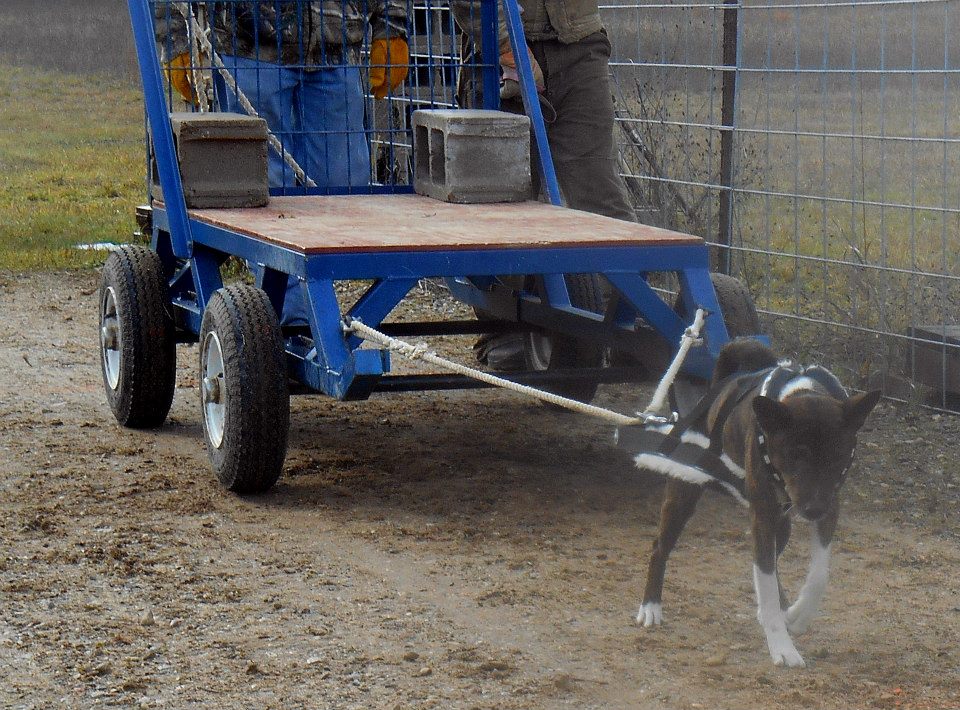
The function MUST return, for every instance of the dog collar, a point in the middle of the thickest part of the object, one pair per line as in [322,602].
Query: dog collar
[778,484]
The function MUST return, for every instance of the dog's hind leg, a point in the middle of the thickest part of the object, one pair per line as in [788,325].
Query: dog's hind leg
[803,611]
[679,503]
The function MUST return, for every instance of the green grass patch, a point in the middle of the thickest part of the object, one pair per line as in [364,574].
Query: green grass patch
[72,158]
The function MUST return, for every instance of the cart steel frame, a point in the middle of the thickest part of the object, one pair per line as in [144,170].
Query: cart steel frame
[335,238]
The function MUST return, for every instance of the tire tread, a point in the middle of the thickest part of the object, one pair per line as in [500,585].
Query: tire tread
[148,355]
[257,416]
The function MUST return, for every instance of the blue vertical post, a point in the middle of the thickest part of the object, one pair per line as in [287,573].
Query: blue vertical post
[531,101]
[158,117]
[490,53]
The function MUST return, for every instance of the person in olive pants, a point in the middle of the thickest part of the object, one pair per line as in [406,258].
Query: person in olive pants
[571,54]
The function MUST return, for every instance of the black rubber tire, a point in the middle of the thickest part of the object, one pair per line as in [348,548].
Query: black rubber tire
[146,343]
[255,394]
[568,352]
[736,304]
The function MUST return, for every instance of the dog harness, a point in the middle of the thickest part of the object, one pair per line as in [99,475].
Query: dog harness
[688,452]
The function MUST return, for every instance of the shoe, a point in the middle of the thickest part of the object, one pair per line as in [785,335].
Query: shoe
[502,352]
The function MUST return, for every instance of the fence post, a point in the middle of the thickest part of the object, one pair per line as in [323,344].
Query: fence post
[728,114]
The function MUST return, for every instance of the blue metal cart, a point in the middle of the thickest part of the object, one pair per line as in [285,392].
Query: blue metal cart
[530,266]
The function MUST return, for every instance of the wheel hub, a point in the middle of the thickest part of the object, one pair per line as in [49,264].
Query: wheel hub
[110,337]
[212,389]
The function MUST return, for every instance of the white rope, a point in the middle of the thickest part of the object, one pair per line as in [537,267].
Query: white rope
[420,351]
[196,49]
[691,336]
[207,47]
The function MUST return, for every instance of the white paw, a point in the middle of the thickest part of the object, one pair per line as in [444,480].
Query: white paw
[650,614]
[783,652]
[798,618]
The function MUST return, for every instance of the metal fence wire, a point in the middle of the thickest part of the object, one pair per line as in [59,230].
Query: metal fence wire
[336,80]
[816,145]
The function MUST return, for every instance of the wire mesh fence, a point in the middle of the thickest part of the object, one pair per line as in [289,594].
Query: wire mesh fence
[336,82]
[816,145]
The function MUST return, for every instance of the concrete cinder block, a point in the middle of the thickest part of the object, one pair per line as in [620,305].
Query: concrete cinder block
[223,160]
[472,156]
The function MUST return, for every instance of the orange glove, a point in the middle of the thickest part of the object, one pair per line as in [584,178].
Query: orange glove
[388,65]
[511,77]
[180,76]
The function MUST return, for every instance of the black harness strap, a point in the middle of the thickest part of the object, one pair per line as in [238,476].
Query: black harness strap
[745,385]
[665,440]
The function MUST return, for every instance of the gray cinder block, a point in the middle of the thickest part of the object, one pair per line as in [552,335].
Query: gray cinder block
[223,159]
[471,156]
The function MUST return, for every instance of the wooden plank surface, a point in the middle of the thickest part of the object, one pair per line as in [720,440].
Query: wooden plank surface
[374,223]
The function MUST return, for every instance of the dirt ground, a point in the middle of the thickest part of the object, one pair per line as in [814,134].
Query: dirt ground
[436,550]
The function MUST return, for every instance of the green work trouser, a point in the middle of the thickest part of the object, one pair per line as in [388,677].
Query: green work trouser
[581,131]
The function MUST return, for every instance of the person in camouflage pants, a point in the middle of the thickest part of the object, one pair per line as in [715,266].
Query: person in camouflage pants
[297,63]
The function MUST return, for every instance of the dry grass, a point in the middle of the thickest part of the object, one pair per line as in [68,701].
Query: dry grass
[71,151]
[849,226]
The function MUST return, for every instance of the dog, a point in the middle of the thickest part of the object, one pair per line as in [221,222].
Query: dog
[789,436]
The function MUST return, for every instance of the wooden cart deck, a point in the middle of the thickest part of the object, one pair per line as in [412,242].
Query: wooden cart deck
[375,223]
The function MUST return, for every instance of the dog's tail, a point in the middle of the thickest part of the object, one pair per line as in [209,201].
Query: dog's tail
[742,355]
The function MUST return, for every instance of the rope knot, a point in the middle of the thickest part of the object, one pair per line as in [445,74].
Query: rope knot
[417,351]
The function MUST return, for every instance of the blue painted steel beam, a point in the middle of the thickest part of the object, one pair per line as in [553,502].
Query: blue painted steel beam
[253,250]
[274,284]
[490,53]
[531,99]
[468,262]
[555,289]
[649,305]
[378,301]
[697,289]
[158,117]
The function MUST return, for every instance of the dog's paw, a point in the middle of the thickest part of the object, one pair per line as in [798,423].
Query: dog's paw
[650,614]
[784,653]
[798,618]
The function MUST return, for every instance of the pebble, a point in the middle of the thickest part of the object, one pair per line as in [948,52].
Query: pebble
[423,672]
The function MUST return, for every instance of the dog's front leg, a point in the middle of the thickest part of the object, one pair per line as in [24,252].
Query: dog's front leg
[769,612]
[803,611]
[679,502]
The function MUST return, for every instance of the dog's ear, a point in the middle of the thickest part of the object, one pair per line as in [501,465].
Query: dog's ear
[857,407]
[772,415]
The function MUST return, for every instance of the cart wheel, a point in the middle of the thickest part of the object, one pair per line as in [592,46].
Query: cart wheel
[243,389]
[740,317]
[138,351]
[549,351]
[736,304]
